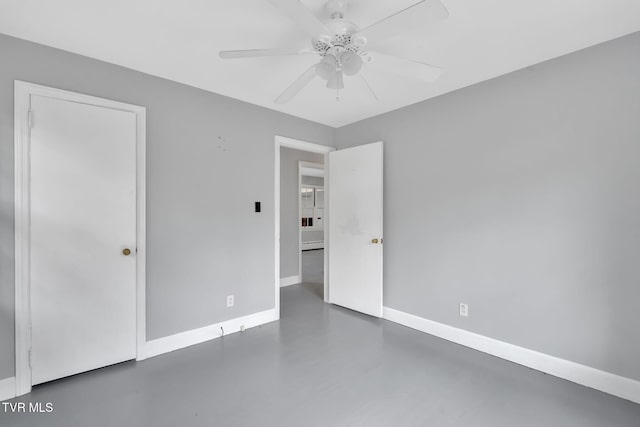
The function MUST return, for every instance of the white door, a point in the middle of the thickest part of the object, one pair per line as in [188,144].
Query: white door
[355,228]
[83,217]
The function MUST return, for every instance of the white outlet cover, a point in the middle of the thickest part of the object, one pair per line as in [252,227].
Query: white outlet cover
[464,310]
[230,301]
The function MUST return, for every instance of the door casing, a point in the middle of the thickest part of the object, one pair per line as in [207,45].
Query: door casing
[22,163]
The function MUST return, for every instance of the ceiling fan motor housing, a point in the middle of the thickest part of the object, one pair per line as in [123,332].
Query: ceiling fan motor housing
[342,37]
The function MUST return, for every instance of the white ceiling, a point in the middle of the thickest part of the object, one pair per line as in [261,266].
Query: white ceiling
[179,40]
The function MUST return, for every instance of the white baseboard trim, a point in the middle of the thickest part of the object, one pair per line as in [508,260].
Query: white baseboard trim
[7,388]
[288,281]
[200,335]
[607,382]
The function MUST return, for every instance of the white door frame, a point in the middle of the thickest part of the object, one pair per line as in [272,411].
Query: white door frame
[296,144]
[302,164]
[22,173]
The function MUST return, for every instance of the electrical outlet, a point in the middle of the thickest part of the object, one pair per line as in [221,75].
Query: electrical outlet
[464,310]
[230,301]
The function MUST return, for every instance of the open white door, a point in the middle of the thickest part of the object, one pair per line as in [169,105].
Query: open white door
[355,228]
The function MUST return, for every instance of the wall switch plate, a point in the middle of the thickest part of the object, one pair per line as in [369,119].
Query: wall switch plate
[258,208]
[230,301]
[464,310]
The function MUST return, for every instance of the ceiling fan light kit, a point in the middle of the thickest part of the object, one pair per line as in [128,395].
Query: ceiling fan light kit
[327,67]
[350,63]
[341,44]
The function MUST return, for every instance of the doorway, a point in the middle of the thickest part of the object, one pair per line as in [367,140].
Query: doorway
[291,260]
[80,233]
[311,212]
[352,219]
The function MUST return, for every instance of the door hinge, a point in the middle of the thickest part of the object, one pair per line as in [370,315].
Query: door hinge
[30,116]
[30,359]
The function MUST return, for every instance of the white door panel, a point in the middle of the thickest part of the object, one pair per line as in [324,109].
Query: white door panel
[355,223]
[83,214]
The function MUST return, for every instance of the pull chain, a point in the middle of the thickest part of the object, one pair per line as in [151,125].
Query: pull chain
[337,84]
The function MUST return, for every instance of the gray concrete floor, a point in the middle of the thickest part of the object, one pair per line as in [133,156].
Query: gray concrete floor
[322,365]
[313,266]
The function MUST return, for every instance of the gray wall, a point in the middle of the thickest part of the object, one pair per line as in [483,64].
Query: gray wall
[521,197]
[289,219]
[208,160]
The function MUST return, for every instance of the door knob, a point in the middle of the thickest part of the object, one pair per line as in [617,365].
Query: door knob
[126,252]
[374,241]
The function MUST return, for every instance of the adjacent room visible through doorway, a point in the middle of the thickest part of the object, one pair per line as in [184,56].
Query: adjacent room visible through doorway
[300,216]
[311,221]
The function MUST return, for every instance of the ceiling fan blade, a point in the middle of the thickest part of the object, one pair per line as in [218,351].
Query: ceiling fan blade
[297,86]
[254,53]
[368,86]
[422,13]
[302,16]
[404,67]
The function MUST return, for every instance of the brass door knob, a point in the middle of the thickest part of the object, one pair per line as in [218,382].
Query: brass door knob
[126,252]
[374,241]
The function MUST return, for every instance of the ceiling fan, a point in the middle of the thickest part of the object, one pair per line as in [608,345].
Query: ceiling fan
[342,45]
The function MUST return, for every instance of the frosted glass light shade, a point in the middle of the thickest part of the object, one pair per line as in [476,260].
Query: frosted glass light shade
[351,63]
[327,67]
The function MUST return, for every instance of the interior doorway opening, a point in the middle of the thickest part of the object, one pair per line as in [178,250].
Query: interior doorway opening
[311,208]
[301,220]
[352,224]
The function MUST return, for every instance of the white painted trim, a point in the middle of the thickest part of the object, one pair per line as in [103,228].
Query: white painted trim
[311,165]
[276,208]
[7,388]
[326,224]
[291,280]
[299,227]
[22,173]
[141,232]
[607,382]
[314,172]
[22,104]
[311,169]
[207,333]
[281,141]
[296,144]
